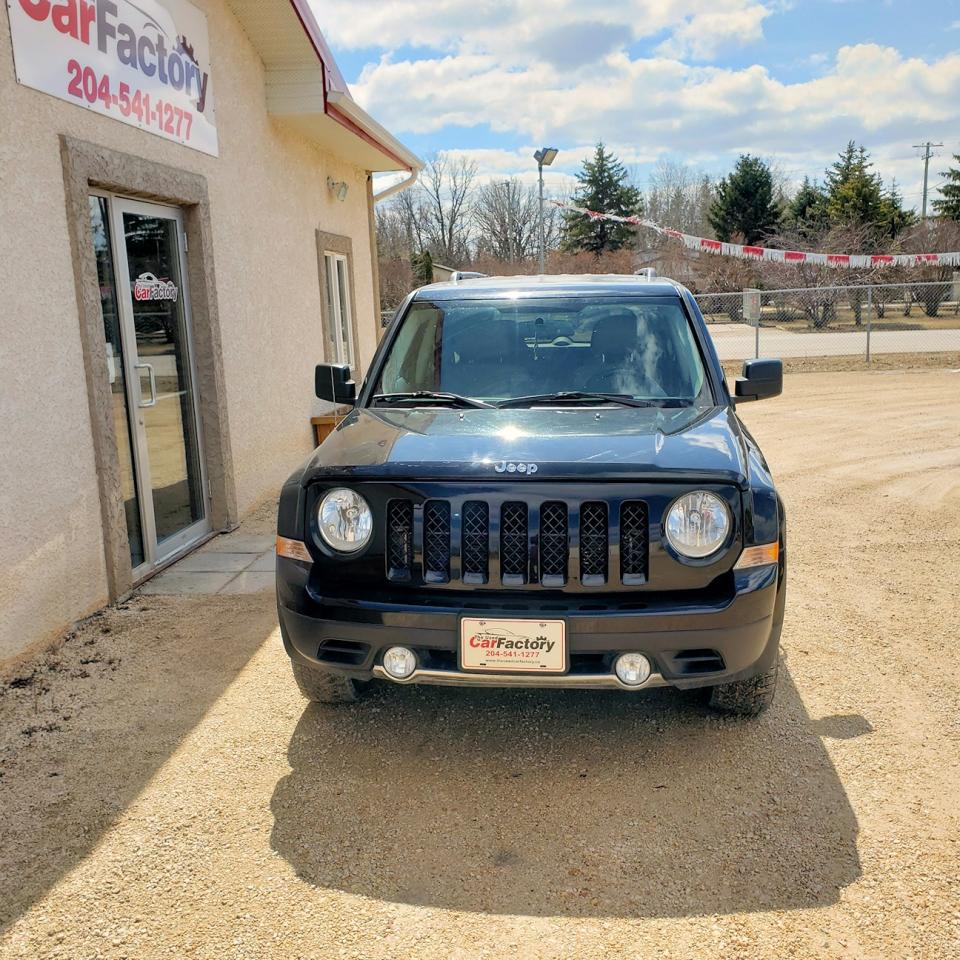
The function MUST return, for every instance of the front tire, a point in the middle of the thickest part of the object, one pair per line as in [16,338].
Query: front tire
[322,686]
[746,698]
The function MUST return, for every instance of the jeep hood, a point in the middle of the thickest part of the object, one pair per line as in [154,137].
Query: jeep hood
[690,443]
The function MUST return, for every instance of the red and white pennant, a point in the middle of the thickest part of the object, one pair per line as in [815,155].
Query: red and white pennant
[744,252]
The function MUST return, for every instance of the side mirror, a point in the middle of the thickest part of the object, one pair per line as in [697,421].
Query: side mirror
[332,382]
[761,379]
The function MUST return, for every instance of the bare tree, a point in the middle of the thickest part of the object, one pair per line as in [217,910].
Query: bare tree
[506,217]
[412,211]
[446,194]
[678,196]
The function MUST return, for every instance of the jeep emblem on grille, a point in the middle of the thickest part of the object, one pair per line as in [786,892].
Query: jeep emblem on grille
[508,466]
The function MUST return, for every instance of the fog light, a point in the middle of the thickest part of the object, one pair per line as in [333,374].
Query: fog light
[632,669]
[399,662]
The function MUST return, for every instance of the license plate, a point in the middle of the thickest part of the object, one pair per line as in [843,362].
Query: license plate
[514,646]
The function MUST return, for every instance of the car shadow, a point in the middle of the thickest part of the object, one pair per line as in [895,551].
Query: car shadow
[572,803]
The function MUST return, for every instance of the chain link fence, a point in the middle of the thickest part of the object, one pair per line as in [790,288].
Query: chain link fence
[835,321]
[839,321]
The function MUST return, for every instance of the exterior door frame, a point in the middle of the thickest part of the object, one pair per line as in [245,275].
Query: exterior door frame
[90,167]
[155,553]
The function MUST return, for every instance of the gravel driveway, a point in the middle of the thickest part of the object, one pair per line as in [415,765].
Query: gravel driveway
[166,793]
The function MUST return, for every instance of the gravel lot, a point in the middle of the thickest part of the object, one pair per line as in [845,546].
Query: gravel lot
[165,792]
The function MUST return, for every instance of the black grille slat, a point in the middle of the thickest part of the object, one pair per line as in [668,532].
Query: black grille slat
[433,542]
[594,543]
[475,542]
[436,541]
[634,542]
[399,539]
[513,543]
[554,544]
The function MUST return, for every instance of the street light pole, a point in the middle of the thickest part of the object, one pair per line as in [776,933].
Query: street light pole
[543,232]
[544,157]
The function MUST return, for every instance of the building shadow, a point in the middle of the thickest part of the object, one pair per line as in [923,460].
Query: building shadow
[569,803]
[90,724]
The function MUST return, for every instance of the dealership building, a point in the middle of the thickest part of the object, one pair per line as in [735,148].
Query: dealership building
[186,228]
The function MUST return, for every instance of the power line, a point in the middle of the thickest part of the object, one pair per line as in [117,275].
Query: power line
[927,154]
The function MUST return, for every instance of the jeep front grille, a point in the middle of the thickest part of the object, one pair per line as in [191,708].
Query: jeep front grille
[554,546]
[634,542]
[594,543]
[550,543]
[513,543]
[436,541]
[399,539]
[475,542]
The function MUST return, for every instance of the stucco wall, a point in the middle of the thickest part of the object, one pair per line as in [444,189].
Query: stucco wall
[268,196]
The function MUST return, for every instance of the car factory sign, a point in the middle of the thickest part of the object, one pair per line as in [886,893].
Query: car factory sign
[142,62]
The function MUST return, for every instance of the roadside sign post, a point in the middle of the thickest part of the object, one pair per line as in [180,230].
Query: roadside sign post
[751,313]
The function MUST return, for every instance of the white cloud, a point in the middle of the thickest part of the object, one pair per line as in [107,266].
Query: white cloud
[665,104]
[704,35]
[654,106]
[564,32]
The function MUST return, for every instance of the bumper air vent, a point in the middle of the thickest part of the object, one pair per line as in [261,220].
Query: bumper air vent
[688,662]
[348,652]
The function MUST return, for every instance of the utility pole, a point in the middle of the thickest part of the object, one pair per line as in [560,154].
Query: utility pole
[927,154]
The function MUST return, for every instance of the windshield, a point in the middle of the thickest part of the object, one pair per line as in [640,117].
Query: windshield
[498,350]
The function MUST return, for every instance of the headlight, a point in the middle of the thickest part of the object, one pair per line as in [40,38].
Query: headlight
[345,520]
[697,524]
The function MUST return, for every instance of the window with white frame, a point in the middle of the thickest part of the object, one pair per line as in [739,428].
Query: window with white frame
[340,322]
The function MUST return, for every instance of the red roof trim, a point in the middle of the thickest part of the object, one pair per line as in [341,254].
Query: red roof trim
[310,28]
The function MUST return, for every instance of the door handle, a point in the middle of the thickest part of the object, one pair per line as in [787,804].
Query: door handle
[152,402]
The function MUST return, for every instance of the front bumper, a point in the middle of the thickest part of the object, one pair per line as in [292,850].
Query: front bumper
[690,644]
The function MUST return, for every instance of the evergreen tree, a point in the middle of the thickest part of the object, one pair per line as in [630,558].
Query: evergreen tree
[854,191]
[806,213]
[894,217]
[856,197]
[422,264]
[604,187]
[948,203]
[745,204]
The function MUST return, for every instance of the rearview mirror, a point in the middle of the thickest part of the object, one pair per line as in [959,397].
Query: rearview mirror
[761,379]
[332,382]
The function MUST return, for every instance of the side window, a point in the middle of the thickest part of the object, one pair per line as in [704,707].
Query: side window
[338,314]
[412,363]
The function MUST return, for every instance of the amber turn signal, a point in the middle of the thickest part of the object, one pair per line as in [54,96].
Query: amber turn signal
[293,550]
[759,556]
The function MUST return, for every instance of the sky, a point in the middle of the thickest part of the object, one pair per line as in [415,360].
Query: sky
[695,81]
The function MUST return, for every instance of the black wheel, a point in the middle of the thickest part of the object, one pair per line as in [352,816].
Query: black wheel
[321,686]
[746,698]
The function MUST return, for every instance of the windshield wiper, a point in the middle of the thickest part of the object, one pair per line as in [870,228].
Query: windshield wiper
[451,399]
[573,396]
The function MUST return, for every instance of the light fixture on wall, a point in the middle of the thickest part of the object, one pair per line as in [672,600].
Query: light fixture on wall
[338,188]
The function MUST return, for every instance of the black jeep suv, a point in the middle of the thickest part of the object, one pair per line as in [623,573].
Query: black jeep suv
[543,482]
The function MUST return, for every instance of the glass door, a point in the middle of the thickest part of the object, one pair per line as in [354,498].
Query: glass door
[158,361]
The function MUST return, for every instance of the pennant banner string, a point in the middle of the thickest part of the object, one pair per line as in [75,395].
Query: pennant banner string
[769,255]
